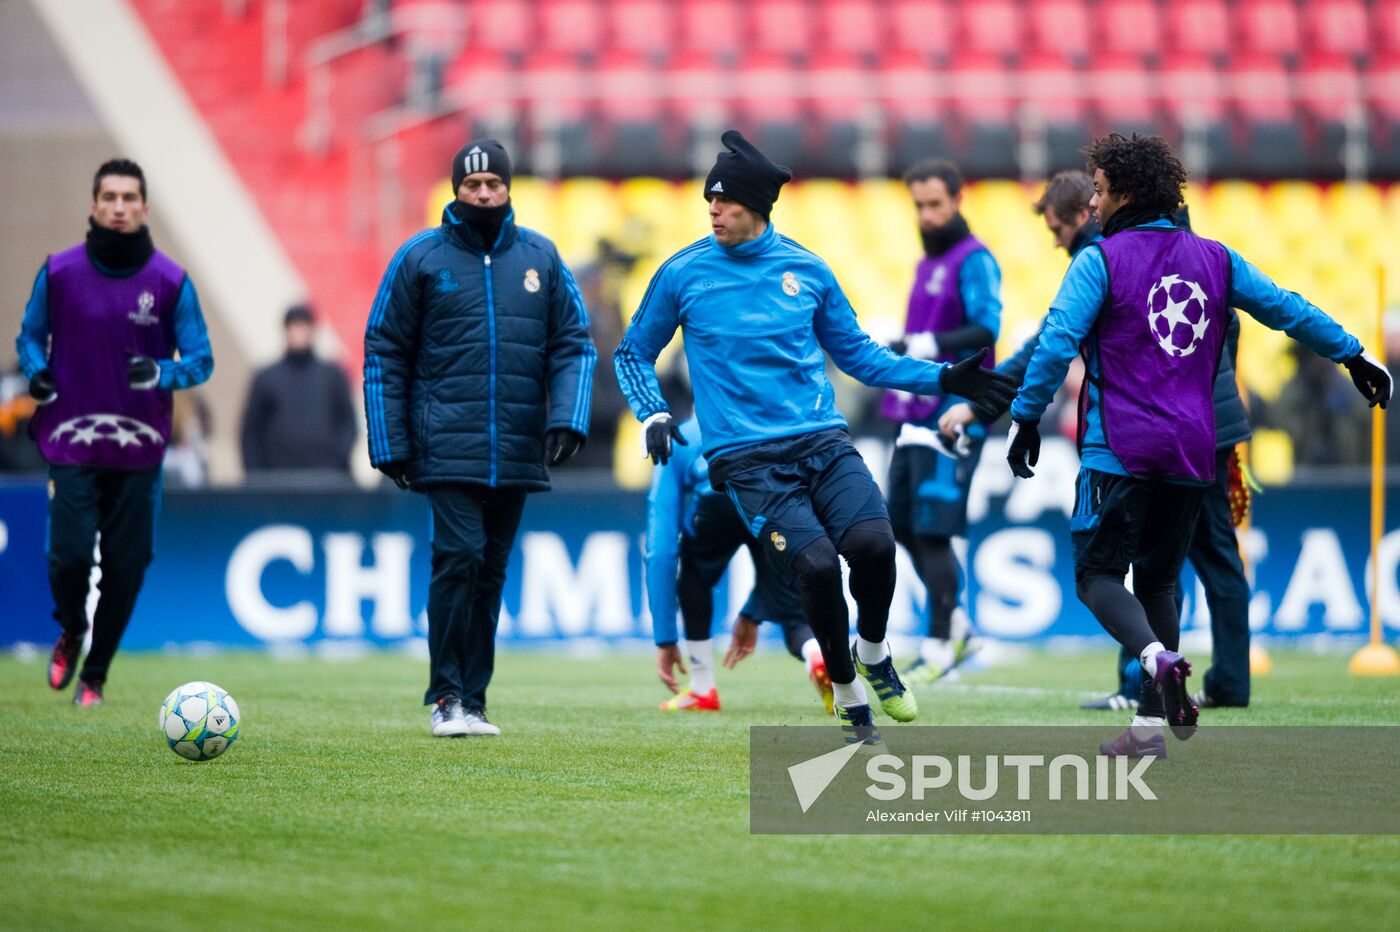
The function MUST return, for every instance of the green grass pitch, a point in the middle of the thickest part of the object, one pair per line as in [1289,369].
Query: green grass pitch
[336,809]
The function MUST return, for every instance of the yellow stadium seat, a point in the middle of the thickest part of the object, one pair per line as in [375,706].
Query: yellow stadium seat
[1324,242]
[585,210]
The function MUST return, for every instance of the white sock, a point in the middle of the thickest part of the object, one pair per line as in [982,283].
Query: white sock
[701,657]
[1145,726]
[870,651]
[849,694]
[1149,657]
[811,651]
[937,652]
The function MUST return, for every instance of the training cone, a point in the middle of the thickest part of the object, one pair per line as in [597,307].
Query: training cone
[1375,660]
[1260,663]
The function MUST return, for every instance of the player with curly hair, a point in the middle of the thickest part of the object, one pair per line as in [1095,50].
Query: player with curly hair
[1149,307]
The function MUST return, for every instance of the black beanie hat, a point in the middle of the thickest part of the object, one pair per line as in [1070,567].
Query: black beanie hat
[746,175]
[480,155]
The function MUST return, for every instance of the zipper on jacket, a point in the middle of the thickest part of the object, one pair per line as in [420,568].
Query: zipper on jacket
[491,385]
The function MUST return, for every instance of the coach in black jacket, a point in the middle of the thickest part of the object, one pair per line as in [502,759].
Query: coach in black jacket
[478,375]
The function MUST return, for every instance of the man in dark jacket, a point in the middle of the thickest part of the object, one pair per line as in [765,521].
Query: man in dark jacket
[298,415]
[478,374]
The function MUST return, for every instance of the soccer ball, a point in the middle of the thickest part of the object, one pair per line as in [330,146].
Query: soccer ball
[1176,311]
[199,720]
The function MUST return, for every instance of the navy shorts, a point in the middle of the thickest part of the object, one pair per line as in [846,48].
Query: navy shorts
[793,492]
[1123,521]
[715,535]
[928,491]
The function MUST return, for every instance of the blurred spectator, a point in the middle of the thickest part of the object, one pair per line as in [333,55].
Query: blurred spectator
[187,454]
[601,282]
[1327,421]
[18,451]
[299,415]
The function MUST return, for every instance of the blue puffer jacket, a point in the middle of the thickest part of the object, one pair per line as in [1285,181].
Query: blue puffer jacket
[472,354]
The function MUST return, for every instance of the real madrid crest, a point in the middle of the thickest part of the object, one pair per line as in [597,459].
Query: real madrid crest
[532,281]
[790,288]
[779,541]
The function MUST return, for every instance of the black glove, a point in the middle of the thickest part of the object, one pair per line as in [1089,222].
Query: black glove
[41,387]
[660,430]
[396,470]
[989,391]
[560,444]
[1370,378]
[1023,447]
[142,372]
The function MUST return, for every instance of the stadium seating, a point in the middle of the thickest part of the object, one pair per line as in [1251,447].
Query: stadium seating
[1269,80]
[1258,90]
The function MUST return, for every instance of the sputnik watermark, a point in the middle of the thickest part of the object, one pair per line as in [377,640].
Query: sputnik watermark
[1065,780]
[1118,778]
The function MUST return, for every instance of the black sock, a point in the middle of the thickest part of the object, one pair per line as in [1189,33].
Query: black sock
[938,570]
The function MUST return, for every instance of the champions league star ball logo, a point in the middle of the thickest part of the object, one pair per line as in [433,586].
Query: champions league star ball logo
[1176,315]
[114,428]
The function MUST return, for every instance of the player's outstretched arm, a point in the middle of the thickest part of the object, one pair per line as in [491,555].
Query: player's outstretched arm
[1256,293]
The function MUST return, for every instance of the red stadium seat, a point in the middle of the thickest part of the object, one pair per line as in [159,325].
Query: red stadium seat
[923,26]
[1336,27]
[1199,26]
[700,87]
[851,26]
[481,79]
[1131,26]
[1330,87]
[982,88]
[1060,26]
[570,25]
[1269,26]
[783,26]
[1054,93]
[1385,27]
[558,83]
[698,32]
[628,85]
[841,86]
[501,26]
[769,89]
[1192,88]
[1383,87]
[1122,89]
[1261,88]
[996,26]
[909,89]
[1053,86]
[642,26]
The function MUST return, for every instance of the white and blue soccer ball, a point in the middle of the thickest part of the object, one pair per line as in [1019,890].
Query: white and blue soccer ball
[199,720]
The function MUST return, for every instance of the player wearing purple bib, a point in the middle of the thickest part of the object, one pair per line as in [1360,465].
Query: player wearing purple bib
[1148,308]
[101,333]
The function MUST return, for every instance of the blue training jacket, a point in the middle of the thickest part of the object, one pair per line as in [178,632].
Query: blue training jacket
[472,353]
[1085,290]
[756,318]
[677,490]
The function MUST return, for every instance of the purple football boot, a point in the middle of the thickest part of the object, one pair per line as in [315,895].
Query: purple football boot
[1170,678]
[1129,744]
